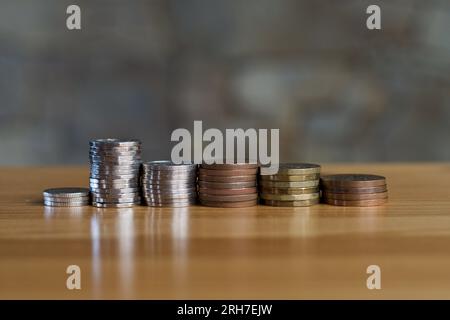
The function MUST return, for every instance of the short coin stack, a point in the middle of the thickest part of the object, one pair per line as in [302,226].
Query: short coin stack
[66,197]
[165,184]
[295,185]
[115,167]
[354,190]
[229,185]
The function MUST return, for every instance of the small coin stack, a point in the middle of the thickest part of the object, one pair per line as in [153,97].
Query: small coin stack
[229,185]
[295,185]
[165,184]
[354,190]
[66,197]
[114,178]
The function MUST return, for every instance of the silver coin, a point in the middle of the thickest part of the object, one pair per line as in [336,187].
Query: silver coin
[66,199]
[171,176]
[115,162]
[67,192]
[114,185]
[170,196]
[66,204]
[170,204]
[115,190]
[113,177]
[114,142]
[124,200]
[168,166]
[118,180]
[114,205]
[118,172]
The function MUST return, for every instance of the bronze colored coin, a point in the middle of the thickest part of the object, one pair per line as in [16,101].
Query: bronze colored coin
[231,172]
[295,168]
[237,204]
[289,184]
[228,198]
[289,190]
[355,196]
[299,203]
[278,177]
[353,180]
[227,191]
[229,166]
[227,185]
[289,197]
[355,190]
[204,177]
[355,203]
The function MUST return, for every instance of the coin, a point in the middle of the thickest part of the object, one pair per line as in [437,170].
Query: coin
[294,184]
[355,203]
[230,172]
[278,177]
[356,190]
[299,203]
[355,196]
[113,205]
[295,169]
[289,190]
[66,192]
[66,204]
[229,166]
[237,204]
[169,165]
[289,197]
[204,177]
[228,198]
[112,142]
[226,185]
[353,180]
[227,191]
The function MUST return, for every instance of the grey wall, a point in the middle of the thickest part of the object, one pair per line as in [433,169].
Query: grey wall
[337,91]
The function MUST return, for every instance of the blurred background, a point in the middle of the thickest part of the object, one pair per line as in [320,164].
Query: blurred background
[140,69]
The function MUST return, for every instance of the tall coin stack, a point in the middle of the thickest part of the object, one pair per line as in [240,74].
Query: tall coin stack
[295,185]
[165,184]
[228,185]
[354,190]
[114,178]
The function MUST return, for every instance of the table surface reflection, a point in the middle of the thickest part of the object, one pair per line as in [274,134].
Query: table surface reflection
[210,253]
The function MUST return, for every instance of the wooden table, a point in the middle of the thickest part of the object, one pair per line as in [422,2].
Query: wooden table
[199,252]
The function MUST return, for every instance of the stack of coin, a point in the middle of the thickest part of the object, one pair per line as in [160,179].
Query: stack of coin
[295,185]
[355,190]
[165,184]
[66,197]
[228,185]
[115,167]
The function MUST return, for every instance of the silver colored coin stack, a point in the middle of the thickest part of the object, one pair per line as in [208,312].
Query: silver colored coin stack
[115,168]
[66,197]
[165,184]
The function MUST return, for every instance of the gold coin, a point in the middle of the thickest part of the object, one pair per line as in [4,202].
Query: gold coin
[299,203]
[289,197]
[295,168]
[289,190]
[279,177]
[290,184]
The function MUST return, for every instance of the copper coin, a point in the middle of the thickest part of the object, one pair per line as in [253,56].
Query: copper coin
[295,168]
[237,204]
[227,191]
[229,166]
[227,178]
[228,198]
[298,203]
[355,196]
[279,177]
[355,190]
[226,185]
[289,190]
[353,180]
[231,172]
[355,203]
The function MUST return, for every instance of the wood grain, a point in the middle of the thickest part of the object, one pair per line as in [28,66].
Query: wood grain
[200,252]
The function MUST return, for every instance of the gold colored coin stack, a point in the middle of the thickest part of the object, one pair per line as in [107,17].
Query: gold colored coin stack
[295,185]
[228,185]
[354,190]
